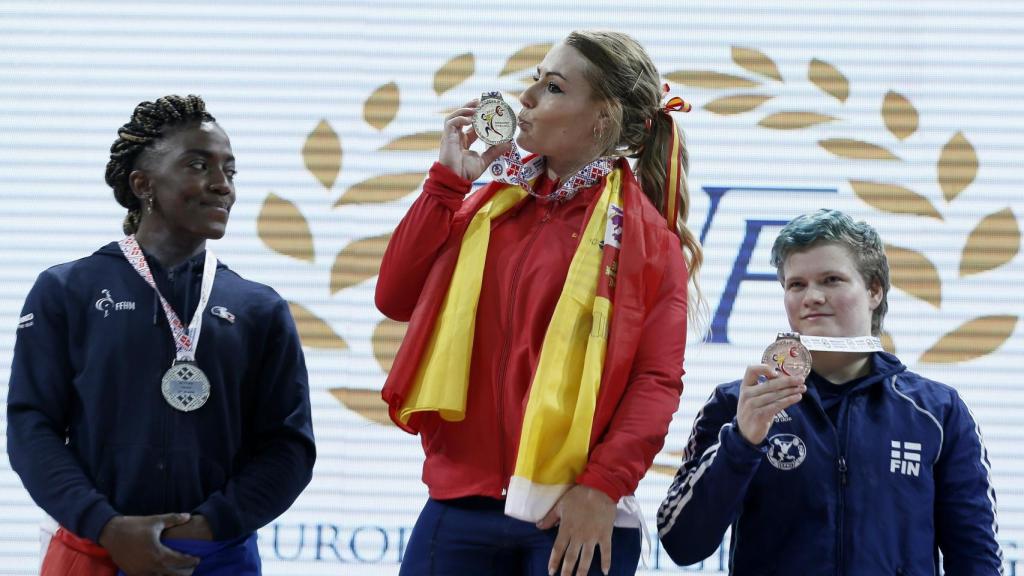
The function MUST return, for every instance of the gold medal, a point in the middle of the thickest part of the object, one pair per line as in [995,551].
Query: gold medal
[788,355]
[494,121]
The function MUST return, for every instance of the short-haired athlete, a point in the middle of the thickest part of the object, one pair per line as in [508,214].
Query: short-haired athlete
[864,468]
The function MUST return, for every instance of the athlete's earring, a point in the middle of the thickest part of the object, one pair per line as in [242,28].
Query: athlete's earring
[149,204]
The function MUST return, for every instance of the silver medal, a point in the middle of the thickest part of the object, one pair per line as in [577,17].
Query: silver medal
[494,121]
[185,387]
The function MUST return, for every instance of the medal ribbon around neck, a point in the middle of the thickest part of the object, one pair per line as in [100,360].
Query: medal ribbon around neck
[856,344]
[511,169]
[185,342]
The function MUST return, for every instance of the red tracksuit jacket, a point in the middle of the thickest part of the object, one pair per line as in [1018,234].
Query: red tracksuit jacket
[528,259]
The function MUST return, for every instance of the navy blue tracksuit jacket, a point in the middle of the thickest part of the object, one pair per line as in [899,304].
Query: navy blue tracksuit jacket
[903,475]
[88,429]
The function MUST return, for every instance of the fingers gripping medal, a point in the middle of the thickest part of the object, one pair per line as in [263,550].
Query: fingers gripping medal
[494,120]
[788,355]
[184,386]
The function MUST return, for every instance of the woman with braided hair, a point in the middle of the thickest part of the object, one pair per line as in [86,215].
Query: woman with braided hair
[547,320]
[157,455]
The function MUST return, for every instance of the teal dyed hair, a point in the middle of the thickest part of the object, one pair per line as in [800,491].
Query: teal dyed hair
[834,227]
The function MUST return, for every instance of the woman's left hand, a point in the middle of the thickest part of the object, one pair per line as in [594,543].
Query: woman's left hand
[585,517]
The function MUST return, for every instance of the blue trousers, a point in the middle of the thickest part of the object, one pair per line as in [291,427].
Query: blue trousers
[238,557]
[473,536]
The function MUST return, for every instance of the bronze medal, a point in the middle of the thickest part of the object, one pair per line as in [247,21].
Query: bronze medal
[788,355]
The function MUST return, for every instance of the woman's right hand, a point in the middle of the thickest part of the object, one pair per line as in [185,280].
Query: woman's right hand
[134,545]
[760,400]
[456,140]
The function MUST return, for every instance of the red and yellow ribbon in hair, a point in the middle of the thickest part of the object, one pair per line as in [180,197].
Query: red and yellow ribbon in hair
[673,168]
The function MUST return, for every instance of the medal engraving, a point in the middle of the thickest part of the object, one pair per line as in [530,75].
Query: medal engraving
[494,121]
[185,387]
[788,356]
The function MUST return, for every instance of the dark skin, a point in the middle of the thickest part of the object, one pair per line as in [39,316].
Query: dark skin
[189,174]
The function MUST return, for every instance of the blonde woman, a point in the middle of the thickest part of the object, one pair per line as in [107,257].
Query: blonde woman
[547,314]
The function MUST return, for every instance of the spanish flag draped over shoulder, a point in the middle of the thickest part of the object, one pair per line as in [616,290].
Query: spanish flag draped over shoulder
[555,440]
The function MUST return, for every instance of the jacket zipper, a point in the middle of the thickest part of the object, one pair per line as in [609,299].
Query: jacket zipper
[161,463]
[843,480]
[503,362]
[841,464]
[842,469]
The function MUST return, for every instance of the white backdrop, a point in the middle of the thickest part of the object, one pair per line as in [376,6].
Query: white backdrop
[905,115]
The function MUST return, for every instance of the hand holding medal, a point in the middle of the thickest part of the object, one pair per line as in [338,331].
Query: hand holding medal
[456,139]
[778,382]
[772,386]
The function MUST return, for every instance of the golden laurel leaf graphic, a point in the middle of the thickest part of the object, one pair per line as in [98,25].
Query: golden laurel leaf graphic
[973,339]
[856,149]
[283,228]
[322,153]
[366,403]
[430,140]
[958,165]
[793,120]
[314,332]
[735,104]
[526,57]
[710,79]
[894,199]
[387,337]
[914,274]
[358,261]
[993,242]
[382,106]
[756,62]
[887,342]
[382,189]
[829,79]
[454,72]
[899,114]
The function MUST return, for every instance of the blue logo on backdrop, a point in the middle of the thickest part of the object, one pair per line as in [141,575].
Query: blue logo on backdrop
[754,227]
[385,545]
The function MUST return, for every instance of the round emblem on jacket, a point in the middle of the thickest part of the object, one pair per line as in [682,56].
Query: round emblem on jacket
[786,451]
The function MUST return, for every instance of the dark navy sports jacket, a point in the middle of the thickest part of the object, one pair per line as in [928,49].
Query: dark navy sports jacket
[904,475]
[88,429]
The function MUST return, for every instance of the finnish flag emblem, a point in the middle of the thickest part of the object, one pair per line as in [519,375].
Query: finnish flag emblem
[905,458]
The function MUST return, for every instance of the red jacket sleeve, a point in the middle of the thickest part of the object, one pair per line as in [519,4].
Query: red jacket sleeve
[416,242]
[638,428]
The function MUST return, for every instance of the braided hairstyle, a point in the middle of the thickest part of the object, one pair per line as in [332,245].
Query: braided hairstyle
[150,122]
[625,80]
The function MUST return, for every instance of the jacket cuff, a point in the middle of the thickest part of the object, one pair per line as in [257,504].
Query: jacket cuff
[94,520]
[446,186]
[592,479]
[741,455]
[224,521]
